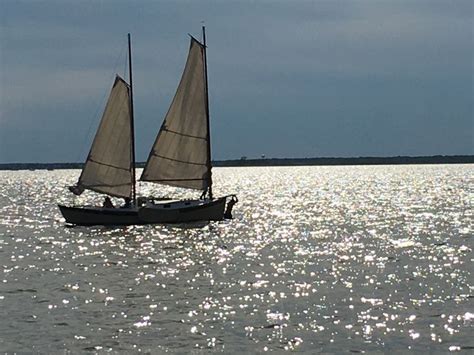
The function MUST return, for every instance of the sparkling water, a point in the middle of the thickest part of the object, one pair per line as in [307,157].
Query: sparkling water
[316,259]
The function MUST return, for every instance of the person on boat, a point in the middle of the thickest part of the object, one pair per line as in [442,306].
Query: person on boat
[107,203]
[204,193]
[230,205]
[128,202]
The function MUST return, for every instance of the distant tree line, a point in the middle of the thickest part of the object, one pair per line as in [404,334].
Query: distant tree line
[435,159]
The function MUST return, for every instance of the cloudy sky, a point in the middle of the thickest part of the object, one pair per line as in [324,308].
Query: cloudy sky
[287,78]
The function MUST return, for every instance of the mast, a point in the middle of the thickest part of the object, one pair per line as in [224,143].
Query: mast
[208,138]
[132,126]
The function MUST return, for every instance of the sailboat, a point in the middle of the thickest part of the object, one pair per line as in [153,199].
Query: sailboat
[180,156]
[110,165]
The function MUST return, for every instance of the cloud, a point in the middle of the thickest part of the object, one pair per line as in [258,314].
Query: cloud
[289,79]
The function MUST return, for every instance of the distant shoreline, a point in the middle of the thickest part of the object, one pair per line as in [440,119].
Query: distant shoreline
[399,160]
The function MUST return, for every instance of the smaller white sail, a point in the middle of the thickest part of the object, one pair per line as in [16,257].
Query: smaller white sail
[108,168]
[180,155]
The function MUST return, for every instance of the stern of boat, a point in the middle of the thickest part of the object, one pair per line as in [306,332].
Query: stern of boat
[183,211]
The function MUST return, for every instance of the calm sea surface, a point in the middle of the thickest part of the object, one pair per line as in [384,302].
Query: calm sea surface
[317,259]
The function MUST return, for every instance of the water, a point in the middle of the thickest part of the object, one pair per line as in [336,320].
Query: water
[317,259]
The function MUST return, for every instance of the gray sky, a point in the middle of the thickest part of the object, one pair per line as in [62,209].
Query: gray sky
[287,78]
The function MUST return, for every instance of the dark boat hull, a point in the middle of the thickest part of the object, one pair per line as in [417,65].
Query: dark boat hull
[183,211]
[162,212]
[88,216]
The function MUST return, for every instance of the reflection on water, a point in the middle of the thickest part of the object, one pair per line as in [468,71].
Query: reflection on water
[317,259]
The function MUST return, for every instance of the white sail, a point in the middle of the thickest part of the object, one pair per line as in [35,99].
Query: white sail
[180,155]
[108,168]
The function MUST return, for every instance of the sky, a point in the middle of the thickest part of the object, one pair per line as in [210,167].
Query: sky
[286,78]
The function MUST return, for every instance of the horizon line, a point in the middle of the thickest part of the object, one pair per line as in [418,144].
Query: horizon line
[245,160]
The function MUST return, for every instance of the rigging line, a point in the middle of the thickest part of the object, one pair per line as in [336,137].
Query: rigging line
[177,160]
[120,57]
[161,180]
[92,120]
[109,165]
[183,134]
[99,104]
[125,68]
[104,185]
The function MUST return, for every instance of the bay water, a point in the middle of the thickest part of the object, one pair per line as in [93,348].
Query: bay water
[317,259]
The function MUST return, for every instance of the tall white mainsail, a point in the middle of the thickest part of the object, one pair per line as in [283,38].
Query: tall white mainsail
[180,155]
[108,168]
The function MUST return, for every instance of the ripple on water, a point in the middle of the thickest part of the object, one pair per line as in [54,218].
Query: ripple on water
[325,259]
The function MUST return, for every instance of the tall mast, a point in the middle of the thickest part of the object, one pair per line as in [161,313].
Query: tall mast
[132,126]
[209,163]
